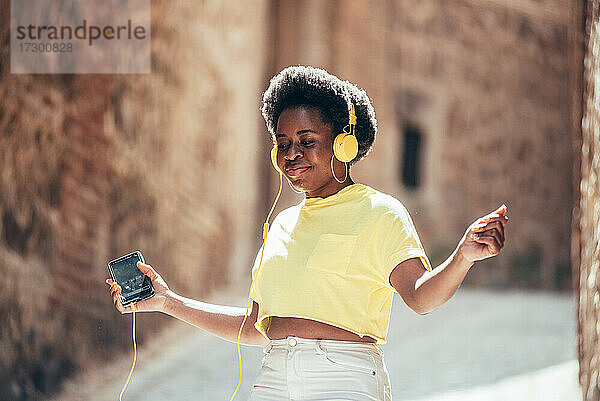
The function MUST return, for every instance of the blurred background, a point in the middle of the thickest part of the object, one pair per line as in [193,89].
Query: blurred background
[479,103]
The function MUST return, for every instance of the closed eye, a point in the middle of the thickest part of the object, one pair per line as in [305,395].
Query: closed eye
[307,143]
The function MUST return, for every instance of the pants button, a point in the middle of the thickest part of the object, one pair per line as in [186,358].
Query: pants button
[292,342]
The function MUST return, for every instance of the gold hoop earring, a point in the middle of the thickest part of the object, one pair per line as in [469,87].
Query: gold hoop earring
[333,172]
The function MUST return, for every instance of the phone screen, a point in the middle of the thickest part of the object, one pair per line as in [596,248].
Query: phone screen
[135,285]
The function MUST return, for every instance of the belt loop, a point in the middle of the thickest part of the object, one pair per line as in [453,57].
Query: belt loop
[267,348]
[318,349]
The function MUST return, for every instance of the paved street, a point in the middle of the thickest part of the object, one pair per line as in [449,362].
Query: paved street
[481,345]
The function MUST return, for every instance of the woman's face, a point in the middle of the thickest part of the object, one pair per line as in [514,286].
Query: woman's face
[304,150]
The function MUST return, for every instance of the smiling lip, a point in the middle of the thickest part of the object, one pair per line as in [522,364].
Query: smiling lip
[296,171]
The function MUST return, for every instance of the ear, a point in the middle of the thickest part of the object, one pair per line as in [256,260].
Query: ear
[274,158]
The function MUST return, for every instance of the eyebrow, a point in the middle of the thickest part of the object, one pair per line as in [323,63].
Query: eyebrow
[304,131]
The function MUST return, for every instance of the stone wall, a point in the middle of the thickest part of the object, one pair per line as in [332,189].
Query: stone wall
[488,84]
[93,166]
[587,226]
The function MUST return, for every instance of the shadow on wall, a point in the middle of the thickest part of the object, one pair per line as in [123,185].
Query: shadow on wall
[94,166]
[519,269]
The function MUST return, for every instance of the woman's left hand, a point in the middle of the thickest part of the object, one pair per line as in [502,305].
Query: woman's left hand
[485,237]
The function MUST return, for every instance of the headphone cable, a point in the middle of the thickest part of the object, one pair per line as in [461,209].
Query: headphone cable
[264,236]
[134,354]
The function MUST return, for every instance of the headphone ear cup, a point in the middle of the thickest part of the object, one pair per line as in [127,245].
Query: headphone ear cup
[345,147]
[274,158]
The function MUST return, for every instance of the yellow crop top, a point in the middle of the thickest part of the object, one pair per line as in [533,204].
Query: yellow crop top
[329,259]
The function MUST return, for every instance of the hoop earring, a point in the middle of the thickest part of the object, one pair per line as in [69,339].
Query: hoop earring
[332,172]
[294,189]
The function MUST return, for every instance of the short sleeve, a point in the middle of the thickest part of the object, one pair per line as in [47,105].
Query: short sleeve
[257,261]
[259,255]
[253,287]
[399,240]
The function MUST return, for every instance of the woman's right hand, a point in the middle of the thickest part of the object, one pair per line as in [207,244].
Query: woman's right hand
[154,303]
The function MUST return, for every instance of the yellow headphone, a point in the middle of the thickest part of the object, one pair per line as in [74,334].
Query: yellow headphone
[345,144]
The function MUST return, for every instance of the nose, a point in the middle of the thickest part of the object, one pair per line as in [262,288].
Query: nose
[293,152]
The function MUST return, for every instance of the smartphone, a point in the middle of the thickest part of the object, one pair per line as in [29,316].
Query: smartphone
[135,285]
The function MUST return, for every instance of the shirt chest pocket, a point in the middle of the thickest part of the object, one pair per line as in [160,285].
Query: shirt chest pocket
[332,253]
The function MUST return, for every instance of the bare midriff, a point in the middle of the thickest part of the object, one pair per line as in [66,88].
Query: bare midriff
[282,327]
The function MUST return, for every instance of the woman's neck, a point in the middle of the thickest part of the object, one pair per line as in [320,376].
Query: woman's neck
[332,187]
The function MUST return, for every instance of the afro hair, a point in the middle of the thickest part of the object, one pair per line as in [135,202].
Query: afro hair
[310,86]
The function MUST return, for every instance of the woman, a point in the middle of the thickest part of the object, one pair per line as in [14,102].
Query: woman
[323,286]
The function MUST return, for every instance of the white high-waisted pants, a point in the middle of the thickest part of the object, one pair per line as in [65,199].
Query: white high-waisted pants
[317,370]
